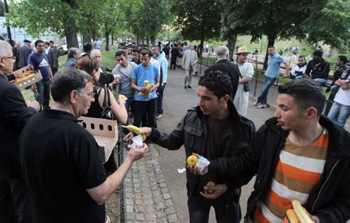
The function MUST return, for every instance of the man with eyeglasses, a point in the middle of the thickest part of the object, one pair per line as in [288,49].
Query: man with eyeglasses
[14,114]
[40,61]
[66,179]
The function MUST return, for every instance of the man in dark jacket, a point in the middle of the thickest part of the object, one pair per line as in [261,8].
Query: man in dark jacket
[214,130]
[174,54]
[23,54]
[223,64]
[318,68]
[298,154]
[53,57]
[14,114]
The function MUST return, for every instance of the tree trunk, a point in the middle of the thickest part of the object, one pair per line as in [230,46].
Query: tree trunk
[200,47]
[71,34]
[271,42]
[112,41]
[153,40]
[231,42]
[107,41]
[94,35]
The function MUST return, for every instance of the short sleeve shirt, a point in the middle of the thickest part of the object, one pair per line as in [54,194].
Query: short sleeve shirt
[273,66]
[140,74]
[40,62]
[60,160]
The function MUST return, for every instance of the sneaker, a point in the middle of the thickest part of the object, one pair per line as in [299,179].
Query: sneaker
[189,86]
[255,103]
[158,116]
[262,106]
[185,87]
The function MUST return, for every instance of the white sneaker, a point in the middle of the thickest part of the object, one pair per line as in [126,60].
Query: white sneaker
[255,103]
[262,106]
[158,116]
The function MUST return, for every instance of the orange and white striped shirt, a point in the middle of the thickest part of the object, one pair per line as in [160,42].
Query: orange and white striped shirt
[298,170]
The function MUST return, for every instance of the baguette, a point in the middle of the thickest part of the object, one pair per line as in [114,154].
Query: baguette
[291,217]
[302,214]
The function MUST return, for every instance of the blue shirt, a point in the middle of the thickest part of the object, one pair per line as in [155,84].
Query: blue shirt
[140,74]
[40,62]
[273,66]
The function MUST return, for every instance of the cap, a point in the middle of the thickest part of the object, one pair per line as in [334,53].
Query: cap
[27,41]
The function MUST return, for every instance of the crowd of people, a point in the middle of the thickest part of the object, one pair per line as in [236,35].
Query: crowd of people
[50,169]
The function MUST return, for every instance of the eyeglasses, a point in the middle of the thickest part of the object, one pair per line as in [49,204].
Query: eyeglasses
[13,58]
[90,94]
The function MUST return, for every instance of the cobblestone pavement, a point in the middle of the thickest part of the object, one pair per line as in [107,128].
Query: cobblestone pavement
[146,195]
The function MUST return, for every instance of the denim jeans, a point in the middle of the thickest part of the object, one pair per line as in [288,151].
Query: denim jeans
[268,82]
[160,100]
[141,107]
[334,89]
[321,81]
[199,208]
[339,113]
[44,93]
[14,194]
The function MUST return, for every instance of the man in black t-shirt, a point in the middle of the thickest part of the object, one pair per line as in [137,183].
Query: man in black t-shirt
[60,160]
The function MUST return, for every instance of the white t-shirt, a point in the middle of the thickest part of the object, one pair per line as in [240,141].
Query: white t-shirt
[343,97]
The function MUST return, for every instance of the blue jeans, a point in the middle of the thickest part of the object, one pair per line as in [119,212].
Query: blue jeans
[321,81]
[334,89]
[160,100]
[339,113]
[199,208]
[268,82]
[148,107]
[44,93]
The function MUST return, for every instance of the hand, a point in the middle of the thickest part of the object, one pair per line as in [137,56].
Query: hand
[116,82]
[135,153]
[122,100]
[34,87]
[145,130]
[196,171]
[315,218]
[143,90]
[34,104]
[218,190]
[305,76]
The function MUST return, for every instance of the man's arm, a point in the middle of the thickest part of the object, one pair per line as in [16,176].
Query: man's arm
[326,69]
[50,72]
[134,86]
[102,192]
[286,74]
[14,107]
[248,76]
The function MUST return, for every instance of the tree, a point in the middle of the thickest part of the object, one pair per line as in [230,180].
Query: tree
[37,16]
[274,18]
[329,24]
[147,20]
[198,19]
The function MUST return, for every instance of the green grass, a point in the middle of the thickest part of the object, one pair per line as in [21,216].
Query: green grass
[108,59]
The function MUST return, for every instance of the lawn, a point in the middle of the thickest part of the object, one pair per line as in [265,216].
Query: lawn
[107,60]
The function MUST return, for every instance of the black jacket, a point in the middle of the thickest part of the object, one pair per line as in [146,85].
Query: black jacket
[231,69]
[319,71]
[329,200]
[192,131]
[14,114]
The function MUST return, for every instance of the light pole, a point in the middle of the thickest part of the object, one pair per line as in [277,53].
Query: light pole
[8,28]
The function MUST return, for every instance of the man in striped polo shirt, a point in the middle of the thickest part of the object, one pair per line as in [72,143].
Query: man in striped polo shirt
[297,154]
